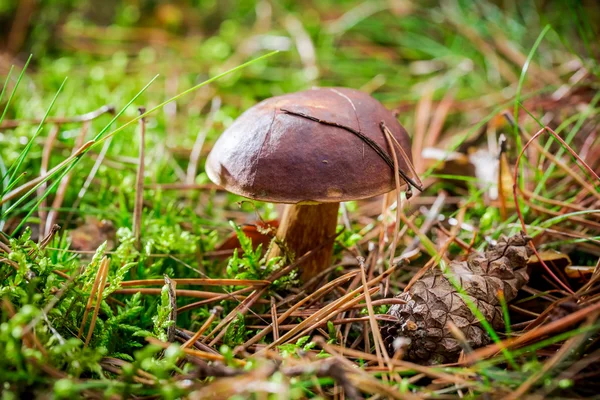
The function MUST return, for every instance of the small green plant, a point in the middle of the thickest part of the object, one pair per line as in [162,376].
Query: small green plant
[253,264]
[162,320]
[237,333]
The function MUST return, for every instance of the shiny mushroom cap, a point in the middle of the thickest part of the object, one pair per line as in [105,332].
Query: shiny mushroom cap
[304,148]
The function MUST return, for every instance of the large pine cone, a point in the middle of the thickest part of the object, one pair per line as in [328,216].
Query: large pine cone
[433,301]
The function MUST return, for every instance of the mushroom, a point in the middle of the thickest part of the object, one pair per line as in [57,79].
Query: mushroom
[311,150]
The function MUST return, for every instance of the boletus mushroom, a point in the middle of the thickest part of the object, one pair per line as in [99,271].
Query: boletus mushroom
[311,150]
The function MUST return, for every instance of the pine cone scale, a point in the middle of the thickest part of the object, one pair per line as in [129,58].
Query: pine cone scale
[433,300]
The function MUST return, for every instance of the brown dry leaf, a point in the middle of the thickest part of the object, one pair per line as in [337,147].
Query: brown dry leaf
[550,256]
[433,301]
[447,162]
[505,182]
[563,262]
[256,232]
[580,272]
[90,235]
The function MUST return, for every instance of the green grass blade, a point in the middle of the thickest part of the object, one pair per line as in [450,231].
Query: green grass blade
[17,165]
[591,109]
[12,94]
[42,197]
[185,92]
[522,82]
[106,128]
[6,82]
[14,182]
[582,23]
[555,220]
[3,169]
[478,314]
[75,160]
[99,138]
[505,312]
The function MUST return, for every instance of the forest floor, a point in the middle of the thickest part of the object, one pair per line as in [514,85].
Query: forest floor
[126,273]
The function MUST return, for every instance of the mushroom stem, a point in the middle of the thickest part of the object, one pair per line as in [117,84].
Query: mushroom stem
[303,228]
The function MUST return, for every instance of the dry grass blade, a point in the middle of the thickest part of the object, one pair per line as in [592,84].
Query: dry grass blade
[7,124]
[570,373]
[197,294]
[224,296]
[378,341]
[328,368]
[192,169]
[115,366]
[400,365]
[439,118]
[528,195]
[240,309]
[88,305]
[328,312]
[510,51]
[5,248]
[342,321]
[360,378]
[255,296]
[315,295]
[254,381]
[430,219]
[576,220]
[414,176]
[460,337]
[565,350]
[422,114]
[399,206]
[214,313]
[199,282]
[275,319]
[103,275]
[139,185]
[531,140]
[433,261]
[48,238]
[536,333]
[204,355]
[151,209]
[17,192]
[46,153]
[304,45]
[502,67]
[64,184]
[504,178]
[91,175]
[331,309]
[182,186]
[516,200]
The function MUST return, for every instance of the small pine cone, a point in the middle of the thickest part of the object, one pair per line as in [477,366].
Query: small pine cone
[433,301]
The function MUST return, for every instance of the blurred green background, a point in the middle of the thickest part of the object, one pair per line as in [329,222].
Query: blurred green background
[411,55]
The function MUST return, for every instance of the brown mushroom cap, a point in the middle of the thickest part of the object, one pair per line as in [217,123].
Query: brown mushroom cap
[273,155]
